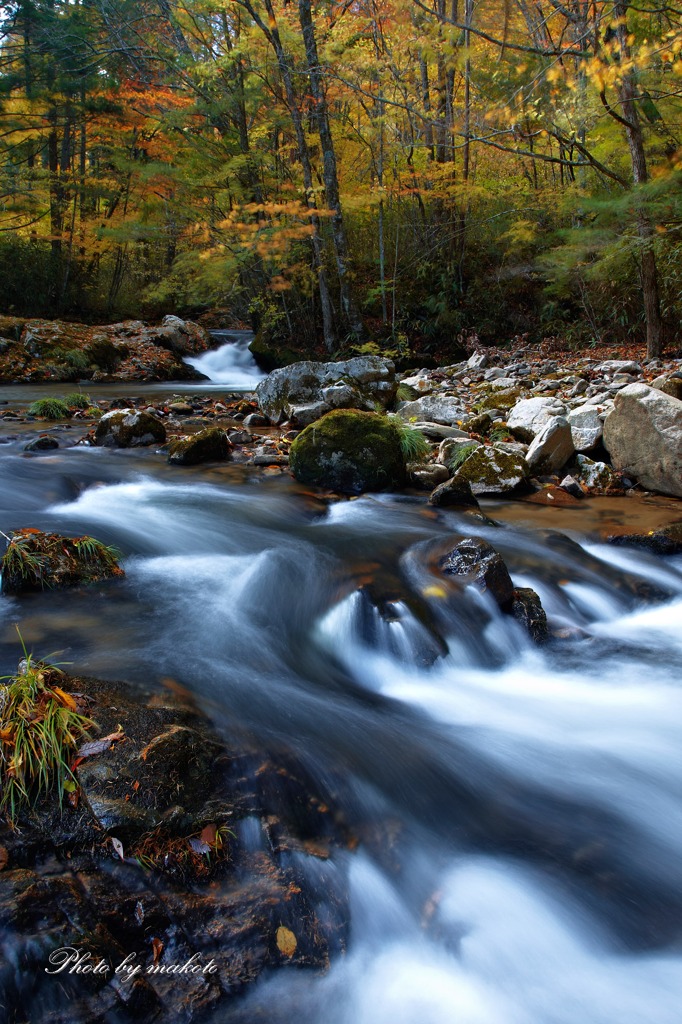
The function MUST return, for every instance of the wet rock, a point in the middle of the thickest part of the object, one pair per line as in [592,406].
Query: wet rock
[426,477]
[571,485]
[666,541]
[551,495]
[491,470]
[643,436]
[127,428]
[209,445]
[240,437]
[453,493]
[181,408]
[37,561]
[349,451]
[552,447]
[477,562]
[530,415]
[358,383]
[44,443]
[586,427]
[527,609]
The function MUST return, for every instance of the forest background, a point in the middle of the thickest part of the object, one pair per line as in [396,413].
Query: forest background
[368,175]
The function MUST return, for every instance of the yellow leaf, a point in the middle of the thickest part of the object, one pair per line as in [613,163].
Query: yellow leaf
[66,698]
[286,941]
[434,590]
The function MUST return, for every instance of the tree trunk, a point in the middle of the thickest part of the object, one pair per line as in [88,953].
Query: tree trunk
[331,180]
[294,110]
[626,89]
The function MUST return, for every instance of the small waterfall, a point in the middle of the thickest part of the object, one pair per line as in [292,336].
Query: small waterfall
[232,364]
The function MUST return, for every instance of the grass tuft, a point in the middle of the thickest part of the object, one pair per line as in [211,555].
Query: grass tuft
[50,409]
[413,444]
[77,400]
[41,727]
[460,455]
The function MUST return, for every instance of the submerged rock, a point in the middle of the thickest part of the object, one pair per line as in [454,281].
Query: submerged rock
[38,561]
[349,451]
[643,436]
[128,428]
[44,443]
[666,541]
[210,445]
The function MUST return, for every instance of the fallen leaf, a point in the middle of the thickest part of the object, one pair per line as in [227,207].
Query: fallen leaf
[66,698]
[157,946]
[117,845]
[198,845]
[208,834]
[4,857]
[286,941]
[99,746]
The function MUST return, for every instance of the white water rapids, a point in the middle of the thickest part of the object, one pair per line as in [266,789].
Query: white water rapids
[231,364]
[520,809]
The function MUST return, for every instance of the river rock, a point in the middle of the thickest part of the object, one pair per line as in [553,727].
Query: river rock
[586,427]
[666,541]
[669,385]
[479,563]
[552,447]
[44,443]
[439,408]
[527,609]
[453,493]
[643,436]
[597,476]
[530,415]
[349,451]
[127,428]
[359,383]
[426,477]
[210,445]
[490,470]
[614,366]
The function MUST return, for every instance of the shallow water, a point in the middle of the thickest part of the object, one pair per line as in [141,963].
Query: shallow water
[519,809]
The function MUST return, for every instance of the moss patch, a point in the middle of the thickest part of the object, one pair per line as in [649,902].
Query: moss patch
[350,452]
[210,445]
[126,428]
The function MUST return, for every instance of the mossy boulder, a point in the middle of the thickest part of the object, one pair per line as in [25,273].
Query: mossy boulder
[128,428]
[37,561]
[210,445]
[492,470]
[349,451]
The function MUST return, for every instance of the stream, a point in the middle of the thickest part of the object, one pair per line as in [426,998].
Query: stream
[527,801]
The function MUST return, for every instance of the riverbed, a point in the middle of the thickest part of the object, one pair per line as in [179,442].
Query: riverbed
[519,807]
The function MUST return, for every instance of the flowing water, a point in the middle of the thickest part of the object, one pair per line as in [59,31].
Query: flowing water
[231,363]
[520,809]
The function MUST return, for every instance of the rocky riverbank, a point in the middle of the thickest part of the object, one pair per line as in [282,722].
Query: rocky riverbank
[40,351]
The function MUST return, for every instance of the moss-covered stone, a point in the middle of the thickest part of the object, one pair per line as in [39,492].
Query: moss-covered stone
[37,561]
[127,428]
[349,451]
[210,445]
[491,470]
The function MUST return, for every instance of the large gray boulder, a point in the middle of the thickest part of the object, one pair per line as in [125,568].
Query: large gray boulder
[552,448]
[309,389]
[586,427]
[643,436]
[530,415]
